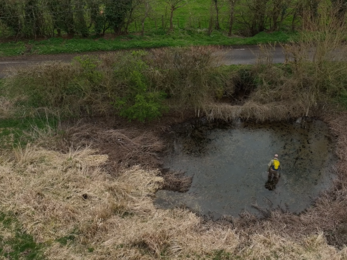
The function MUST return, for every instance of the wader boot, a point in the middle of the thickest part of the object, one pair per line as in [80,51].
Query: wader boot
[272,174]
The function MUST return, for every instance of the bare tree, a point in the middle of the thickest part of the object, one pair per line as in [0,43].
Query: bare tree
[341,9]
[255,15]
[308,11]
[217,26]
[296,10]
[130,18]
[174,5]
[278,12]
[147,8]
[232,4]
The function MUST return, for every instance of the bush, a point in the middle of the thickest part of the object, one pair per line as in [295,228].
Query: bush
[136,85]
[138,100]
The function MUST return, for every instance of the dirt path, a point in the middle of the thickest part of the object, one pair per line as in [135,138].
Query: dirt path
[228,56]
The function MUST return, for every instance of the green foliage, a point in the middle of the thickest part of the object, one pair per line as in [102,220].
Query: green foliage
[138,101]
[19,245]
[9,16]
[154,40]
[144,106]
[116,12]
[89,69]
[33,19]
[62,16]
[40,18]
[136,85]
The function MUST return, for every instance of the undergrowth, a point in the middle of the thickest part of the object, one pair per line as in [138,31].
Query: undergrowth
[143,85]
[135,85]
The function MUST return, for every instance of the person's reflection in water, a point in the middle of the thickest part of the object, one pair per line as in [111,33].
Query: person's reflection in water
[271,183]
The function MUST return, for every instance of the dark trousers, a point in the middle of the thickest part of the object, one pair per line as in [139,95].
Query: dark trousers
[272,174]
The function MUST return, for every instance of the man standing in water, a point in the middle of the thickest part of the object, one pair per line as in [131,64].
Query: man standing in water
[273,177]
[273,168]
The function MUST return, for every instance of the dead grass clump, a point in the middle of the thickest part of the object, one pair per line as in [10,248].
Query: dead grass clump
[176,181]
[261,112]
[157,243]
[124,147]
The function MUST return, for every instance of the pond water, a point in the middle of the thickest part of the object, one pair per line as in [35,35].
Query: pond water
[229,167]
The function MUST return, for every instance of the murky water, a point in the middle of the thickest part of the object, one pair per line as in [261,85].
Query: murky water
[230,167]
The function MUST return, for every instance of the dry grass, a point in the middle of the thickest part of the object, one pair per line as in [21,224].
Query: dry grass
[254,110]
[56,195]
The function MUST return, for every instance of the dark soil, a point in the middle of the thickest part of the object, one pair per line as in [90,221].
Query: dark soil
[338,236]
[127,144]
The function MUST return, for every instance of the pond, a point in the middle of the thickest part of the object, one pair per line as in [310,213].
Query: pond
[229,166]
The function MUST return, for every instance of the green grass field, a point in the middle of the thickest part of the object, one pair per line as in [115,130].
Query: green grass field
[191,28]
[179,38]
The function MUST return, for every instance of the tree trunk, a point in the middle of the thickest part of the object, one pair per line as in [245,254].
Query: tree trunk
[129,19]
[341,8]
[81,25]
[294,19]
[232,13]
[69,21]
[33,19]
[217,26]
[171,18]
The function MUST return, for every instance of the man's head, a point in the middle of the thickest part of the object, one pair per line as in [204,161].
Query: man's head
[276,156]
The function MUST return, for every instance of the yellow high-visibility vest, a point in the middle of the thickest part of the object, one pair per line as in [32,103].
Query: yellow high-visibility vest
[276,164]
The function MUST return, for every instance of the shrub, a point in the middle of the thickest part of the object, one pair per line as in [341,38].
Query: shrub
[189,76]
[137,101]
[137,85]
